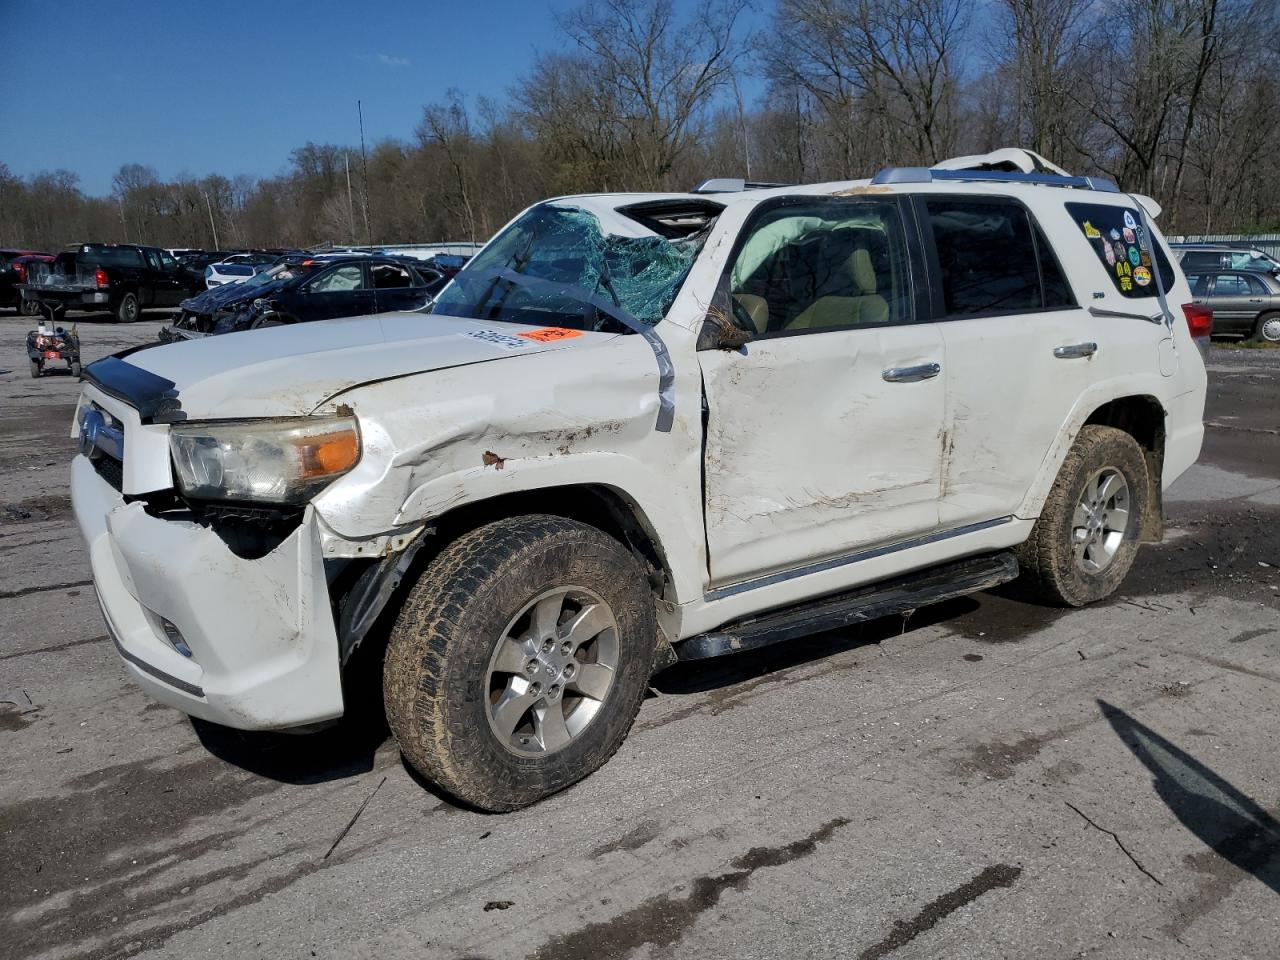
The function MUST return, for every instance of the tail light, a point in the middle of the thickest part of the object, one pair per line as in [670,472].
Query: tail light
[100,278]
[1199,319]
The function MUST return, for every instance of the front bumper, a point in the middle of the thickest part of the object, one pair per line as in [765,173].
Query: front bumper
[264,649]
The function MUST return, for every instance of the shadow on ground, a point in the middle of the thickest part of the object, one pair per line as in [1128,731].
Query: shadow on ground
[1229,822]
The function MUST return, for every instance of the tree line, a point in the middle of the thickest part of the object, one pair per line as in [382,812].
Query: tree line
[1178,99]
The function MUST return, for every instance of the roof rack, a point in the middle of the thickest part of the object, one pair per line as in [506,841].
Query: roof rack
[734,185]
[930,175]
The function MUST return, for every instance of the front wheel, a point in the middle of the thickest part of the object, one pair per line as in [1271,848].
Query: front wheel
[1268,328]
[36,368]
[519,660]
[75,369]
[1086,538]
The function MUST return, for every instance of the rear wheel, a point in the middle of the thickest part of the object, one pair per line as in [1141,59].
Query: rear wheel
[1086,538]
[36,368]
[29,308]
[1268,328]
[519,659]
[128,309]
[75,369]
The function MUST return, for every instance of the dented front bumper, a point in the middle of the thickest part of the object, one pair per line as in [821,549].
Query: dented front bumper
[263,650]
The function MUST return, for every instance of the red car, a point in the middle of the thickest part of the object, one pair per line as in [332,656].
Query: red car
[15,267]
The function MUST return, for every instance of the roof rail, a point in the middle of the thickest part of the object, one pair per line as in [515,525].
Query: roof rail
[930,175]
[734,185]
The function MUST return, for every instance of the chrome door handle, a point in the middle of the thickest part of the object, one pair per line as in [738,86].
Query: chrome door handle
[1074,350]
[923,371]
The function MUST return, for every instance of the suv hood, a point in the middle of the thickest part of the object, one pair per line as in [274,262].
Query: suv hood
[291,370]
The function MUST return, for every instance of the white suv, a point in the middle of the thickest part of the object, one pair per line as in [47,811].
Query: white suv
[639,428]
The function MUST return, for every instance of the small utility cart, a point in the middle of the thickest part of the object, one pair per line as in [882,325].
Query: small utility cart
[45,344]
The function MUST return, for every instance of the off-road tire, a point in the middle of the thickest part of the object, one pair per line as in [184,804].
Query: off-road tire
[434,676]
[75,369]
[1266,318]
[36,368]
[1047,560]
[29,308]
[128,309]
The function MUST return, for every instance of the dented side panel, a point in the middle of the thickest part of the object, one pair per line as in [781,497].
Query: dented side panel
[811,453]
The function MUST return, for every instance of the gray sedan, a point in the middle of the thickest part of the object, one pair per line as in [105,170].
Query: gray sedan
[1244,302]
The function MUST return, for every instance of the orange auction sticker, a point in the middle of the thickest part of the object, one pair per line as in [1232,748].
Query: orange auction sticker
[549,334]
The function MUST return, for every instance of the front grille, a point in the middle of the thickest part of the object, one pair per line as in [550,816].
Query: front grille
[111,471]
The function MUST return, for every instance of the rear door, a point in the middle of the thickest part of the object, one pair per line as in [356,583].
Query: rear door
[340,291]
[1237,300]
[1022,345]
[163,277]
[396,287]
[822,432]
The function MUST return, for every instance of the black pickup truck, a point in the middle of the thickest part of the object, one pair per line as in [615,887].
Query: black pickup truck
[122,278]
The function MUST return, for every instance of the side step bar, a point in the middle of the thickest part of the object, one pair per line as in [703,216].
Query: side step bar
[870,602]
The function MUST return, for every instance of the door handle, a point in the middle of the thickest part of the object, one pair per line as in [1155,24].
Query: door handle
[1255,300]
[923,371]
[1074,350]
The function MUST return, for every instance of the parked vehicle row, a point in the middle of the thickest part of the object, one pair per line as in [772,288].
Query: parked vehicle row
[121,278]
[636,428]
[15,268]
[1243,302]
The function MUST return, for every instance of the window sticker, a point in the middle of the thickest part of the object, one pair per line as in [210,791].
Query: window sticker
[550,334]
[1109,254]
[1129,221]
[1141,276]
[498,339]
[1123,246]
[1134,257]
[1091,231]
[1128,235]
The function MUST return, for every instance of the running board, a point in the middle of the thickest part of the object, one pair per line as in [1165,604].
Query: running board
[871,602]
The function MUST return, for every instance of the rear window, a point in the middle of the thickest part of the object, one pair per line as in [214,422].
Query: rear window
[109,256]
[1123,247]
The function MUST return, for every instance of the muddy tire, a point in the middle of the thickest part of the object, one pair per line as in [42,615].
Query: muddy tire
[497,680]
[36,368]
[128,310]
[1082,546]
[75,369]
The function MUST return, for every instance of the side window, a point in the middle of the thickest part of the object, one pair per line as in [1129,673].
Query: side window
[1256,286]
[167,261]
[987,256]
[1231,285]
[1057,292]
[822,264]
[339,280]
[153,259]
[1199,284]
[390,276]
[1123,248]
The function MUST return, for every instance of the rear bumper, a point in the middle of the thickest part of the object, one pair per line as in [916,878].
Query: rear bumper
[71,299]
[1184,434]
[264,650]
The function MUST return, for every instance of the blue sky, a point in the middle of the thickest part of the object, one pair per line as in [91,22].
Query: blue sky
[232,87]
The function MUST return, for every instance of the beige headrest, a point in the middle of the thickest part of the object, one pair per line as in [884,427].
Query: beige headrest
[757,308]
[864,274]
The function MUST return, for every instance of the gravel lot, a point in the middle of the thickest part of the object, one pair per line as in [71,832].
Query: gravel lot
[988,778]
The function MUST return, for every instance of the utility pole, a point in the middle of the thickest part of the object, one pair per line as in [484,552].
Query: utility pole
[351,208]
[212,226]
[364,166]
[123,222]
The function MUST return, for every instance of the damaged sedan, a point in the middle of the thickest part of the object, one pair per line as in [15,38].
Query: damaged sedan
[303,288]
[637,428]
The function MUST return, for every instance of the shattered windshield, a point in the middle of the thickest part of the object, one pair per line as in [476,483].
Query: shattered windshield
[557,266]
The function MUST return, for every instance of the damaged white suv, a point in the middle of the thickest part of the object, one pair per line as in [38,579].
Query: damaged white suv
[639,428]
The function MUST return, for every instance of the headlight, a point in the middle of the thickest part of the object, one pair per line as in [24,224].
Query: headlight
[284,461]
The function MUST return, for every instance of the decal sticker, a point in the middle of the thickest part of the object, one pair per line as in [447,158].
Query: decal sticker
[1141,276]
[1110,254]
[550,334]
[1123,269]
[498,339]
[1142,237]
[1134,257]
[1129,221]
[1128,235]
[1091,231]
[1125,284]
[1146,259]
[1119,249]
[1115,234]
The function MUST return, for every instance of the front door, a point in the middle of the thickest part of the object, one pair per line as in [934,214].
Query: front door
[342,291]
[822,433]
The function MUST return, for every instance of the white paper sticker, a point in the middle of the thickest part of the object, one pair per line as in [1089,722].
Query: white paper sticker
[499,339]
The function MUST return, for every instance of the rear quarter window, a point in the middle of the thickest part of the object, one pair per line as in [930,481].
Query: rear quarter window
[1123,247]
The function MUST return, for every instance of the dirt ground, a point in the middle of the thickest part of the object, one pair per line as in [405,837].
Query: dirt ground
[988,778]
